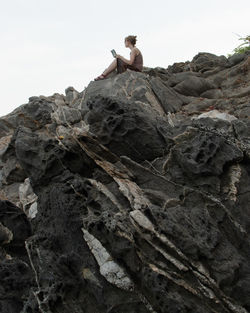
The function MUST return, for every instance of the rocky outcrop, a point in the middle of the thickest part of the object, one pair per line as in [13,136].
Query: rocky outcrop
[130,196]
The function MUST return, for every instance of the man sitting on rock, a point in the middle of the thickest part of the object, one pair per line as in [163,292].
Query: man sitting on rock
[121,64]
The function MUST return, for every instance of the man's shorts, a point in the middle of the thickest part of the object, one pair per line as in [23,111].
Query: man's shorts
[122,66]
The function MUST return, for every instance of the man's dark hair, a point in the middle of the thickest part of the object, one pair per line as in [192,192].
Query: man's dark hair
[132,39]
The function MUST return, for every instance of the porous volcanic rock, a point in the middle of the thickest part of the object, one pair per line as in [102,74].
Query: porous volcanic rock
[130,196]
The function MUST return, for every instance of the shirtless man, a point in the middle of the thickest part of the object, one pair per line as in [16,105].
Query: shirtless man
[135,63]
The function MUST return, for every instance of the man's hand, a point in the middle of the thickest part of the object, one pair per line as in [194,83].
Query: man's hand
[118,56]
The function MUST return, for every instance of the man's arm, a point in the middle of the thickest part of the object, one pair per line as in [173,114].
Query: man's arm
[132,57]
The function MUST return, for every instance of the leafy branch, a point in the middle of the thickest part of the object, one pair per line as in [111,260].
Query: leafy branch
[244,46]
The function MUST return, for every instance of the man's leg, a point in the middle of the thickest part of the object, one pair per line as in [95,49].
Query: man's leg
[111,68]
[121,66]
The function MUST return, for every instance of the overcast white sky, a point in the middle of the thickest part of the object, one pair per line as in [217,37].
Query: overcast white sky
[48,45]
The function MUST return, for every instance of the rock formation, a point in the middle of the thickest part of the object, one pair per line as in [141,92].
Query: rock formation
[131,196]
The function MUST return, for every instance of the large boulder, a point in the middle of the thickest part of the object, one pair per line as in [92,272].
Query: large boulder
[120,125]
[130,196]
[204,61]
[193,86]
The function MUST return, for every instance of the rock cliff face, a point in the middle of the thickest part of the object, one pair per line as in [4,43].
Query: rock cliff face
[130,196]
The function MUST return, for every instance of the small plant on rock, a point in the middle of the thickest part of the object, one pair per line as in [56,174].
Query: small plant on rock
[244,46]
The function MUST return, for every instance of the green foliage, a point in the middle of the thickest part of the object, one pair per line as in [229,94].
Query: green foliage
[243,47]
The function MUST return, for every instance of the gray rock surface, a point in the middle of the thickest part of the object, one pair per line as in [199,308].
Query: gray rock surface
[131,196]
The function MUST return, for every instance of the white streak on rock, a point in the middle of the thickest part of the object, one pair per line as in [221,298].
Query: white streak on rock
[234,178]
[142,220]
[112,272]
[106,192]
[145,223]
[28,198]
[215,114]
